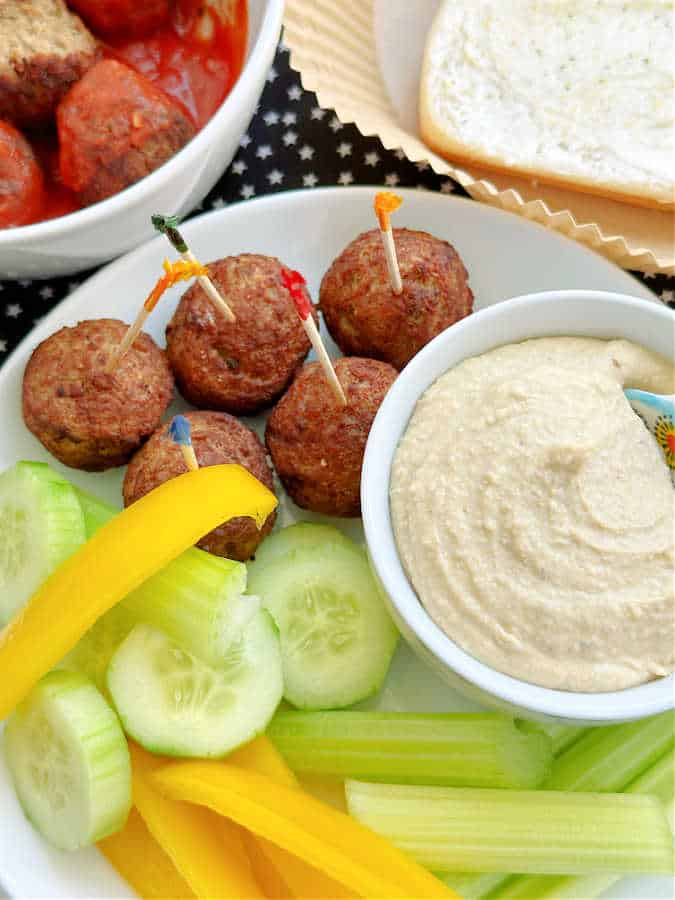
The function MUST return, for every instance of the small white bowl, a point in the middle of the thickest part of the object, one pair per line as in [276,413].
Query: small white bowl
[586,313]
[107,229]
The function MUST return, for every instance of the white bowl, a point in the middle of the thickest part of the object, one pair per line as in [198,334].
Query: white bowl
[588,313]
[105,230]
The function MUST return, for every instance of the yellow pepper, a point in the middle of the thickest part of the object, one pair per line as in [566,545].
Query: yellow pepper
[121,555]
[296,876]
[322,836]
[207,851]
[142,863]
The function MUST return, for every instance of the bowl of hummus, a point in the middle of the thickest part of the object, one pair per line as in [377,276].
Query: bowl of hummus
[520,517]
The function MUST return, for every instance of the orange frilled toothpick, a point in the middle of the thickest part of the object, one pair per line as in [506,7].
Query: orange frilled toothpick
[296,286]
[385,204]
[180,270]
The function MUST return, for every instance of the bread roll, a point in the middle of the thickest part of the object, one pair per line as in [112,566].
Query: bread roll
[576,93]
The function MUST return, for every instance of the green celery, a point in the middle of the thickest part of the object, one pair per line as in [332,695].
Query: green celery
[562,736]
[462,749]
[658,780]
[196,600]
[469,885]
[485,830]
[609,758]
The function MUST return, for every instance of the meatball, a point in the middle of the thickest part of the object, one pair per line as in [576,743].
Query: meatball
[128,18]
[216,438]
[21,182]
[366,318]
[44,50]
[115,127]
[317,444]
[243,366]
[89,419]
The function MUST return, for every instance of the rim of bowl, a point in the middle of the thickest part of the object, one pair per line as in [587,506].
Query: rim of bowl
[636,702]
[268,34]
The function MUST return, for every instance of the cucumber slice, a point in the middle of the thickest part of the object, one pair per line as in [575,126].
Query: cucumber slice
[69,761]
[93,652]
[302,536]
[337,639]
[173,703]
[41,524]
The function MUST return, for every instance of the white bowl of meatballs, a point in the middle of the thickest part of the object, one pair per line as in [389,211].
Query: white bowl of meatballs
[518,514]
[111,111]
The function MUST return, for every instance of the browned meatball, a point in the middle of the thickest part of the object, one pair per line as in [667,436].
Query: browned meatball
[86,418]
[239,367]
[366,318]
[216,438]
[44,50]
[115,127]
[317,444]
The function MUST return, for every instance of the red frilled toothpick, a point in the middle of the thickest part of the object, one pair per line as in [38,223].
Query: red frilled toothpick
[296,286]
[385,204]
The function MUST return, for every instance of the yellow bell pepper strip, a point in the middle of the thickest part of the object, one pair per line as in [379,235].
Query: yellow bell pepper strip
[142,863]
[121,555]
[300,879]
[208,851]
[268,876]
[320,835]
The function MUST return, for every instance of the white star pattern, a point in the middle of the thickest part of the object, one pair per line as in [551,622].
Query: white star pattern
[345,178]
[244,141]
[318,113]
[13,310]
[247,191]
[263,151]
[275,176]
[272,75]
[25,282]
[422,165]
[392,179]
[310,180]
[371,159]
[47,293]
[447,187]
[668,296]
[335,124]
[344,149]
[294,92]
[399,154]
[218,203]
[290,138]
[289,118]
[271,117]
[239,167]
[306,152]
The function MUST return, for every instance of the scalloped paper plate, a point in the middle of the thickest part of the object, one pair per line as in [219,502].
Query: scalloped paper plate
[362,58]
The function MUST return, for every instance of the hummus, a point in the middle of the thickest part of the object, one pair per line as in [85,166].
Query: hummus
[535,515]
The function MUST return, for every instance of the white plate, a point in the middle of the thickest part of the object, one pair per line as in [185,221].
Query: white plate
[505,256]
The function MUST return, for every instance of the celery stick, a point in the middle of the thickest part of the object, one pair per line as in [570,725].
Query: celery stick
[485,830]
[608,759]
[466,749]
[196,600]
[562,736]
[471,885]
[658,780]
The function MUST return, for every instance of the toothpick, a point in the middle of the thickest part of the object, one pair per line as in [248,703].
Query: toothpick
[180,433]
[295,284]
[173,272]
[386,203]
[168,225]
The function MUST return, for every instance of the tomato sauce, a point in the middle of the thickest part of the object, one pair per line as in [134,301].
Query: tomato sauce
[195,58]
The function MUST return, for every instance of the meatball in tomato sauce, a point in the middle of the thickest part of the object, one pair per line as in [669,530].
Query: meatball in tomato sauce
[128,18]
[115,127]
[21,183]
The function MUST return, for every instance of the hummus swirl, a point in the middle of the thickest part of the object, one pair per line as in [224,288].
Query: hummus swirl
[535,516]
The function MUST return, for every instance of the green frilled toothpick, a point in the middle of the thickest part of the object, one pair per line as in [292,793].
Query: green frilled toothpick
[168,226]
